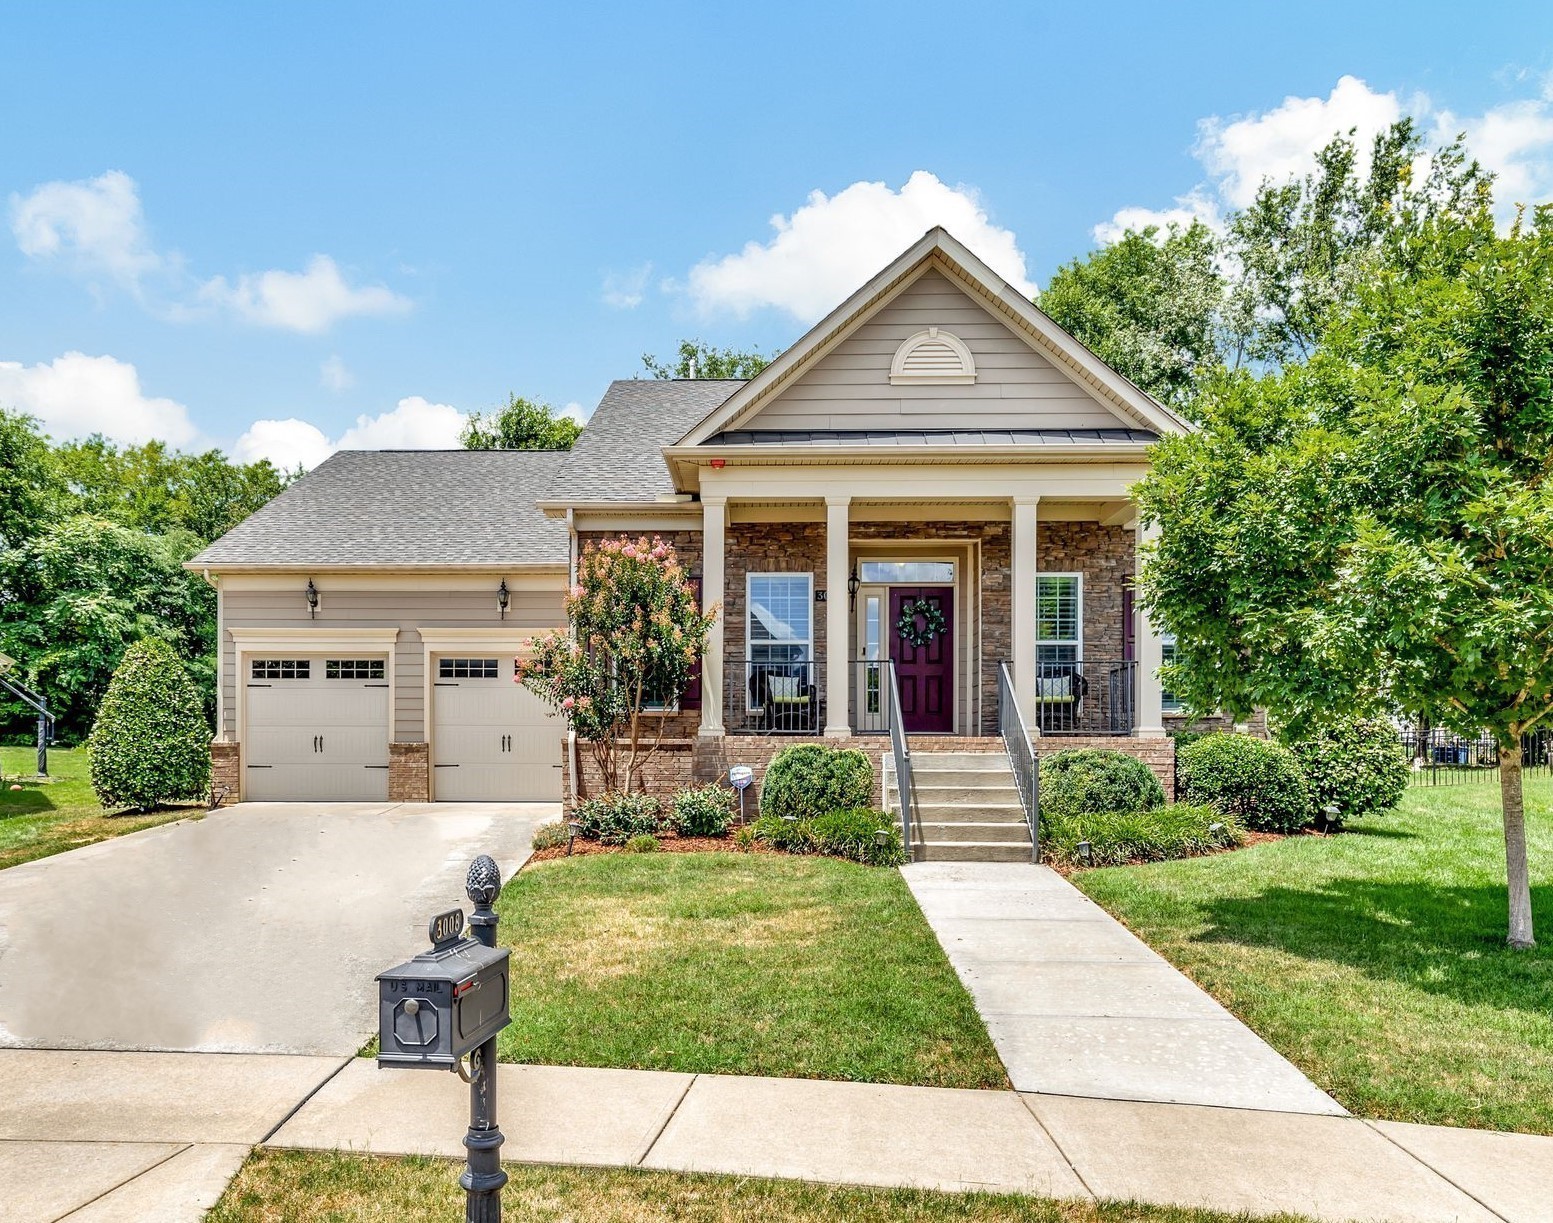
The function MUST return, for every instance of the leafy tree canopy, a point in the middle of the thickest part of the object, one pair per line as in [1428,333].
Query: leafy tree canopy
[32,488]
[697,360]
[522,425]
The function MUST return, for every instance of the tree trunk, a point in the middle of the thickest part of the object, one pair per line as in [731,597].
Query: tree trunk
[1516,870]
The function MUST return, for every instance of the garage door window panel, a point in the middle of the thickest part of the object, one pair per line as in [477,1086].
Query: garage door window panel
[468,668]
[281,668]
[355,668]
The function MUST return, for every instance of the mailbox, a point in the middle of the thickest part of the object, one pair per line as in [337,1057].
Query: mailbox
[444,1003]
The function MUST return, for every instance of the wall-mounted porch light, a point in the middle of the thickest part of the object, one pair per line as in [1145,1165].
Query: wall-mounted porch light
[852,584]
[312,600]
[502,598]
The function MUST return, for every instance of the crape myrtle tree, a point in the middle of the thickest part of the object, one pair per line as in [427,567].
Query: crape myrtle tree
[1373,528]
[636,634]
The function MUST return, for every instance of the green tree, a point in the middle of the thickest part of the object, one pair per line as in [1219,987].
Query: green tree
[636,633]
[151,742]
[1374,528]
[78,594]
[1148,305]
[32,490]
[522,425]
[697,360]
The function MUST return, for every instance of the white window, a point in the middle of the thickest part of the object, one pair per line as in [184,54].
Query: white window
[933,356]
[908,573]
[779,624]
[468,668]
[1059,617]
[354,668]
[280,668]
[1167,655]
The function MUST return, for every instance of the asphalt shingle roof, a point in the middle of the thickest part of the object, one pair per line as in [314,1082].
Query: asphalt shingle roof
[396,508]
[619,456]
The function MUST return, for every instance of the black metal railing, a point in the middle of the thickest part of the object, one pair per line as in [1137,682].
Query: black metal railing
[1021,755]
[774,697]
[1092,697]
[900,752]
[1444,758]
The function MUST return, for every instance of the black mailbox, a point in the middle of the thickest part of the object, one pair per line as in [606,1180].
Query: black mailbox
[444,1003]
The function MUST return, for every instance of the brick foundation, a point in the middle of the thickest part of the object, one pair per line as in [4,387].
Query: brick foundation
[1159,754]
[409,772]
[226,772]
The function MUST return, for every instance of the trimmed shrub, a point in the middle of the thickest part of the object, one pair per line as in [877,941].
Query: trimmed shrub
[151,743]
[613,819]
[1180,830]
[810,779]
[550,836]
[1096,780]
[795,836]
[706,812]
[1358,767]
[1257,781]
[854,834]
[644,843]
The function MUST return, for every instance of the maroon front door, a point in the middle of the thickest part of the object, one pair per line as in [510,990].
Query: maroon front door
[925,672]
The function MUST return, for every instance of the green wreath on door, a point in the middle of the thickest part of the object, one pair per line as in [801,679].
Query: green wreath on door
[921,623]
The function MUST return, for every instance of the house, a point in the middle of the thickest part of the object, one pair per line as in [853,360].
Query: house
[922,505]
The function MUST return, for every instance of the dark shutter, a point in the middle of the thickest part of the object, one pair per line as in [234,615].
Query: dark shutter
[691,697]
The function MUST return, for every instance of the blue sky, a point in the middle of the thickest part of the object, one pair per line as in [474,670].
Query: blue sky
[352,222]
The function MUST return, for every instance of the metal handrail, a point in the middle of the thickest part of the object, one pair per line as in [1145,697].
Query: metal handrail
[901,751]
[1021,756]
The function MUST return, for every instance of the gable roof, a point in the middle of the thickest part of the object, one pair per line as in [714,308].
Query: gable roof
[941,250]
[619,456]
[402,509]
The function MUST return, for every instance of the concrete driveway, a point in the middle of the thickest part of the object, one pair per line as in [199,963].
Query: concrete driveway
[257,929]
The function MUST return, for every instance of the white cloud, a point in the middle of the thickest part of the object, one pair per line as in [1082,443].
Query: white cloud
[832,244]
[75,395]
[575,411]
[96,225]
[625,290]
[1513,140]
[289,444]
[335,375]
[413,424]
[308,301]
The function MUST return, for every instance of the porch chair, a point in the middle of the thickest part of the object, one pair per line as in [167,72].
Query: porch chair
[1060,690]
[783,699]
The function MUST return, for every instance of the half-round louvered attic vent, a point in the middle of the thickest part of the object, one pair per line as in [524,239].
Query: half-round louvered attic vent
[933,356]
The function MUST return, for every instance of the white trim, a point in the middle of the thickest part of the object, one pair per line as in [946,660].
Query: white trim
[396,580]
[964,376]
[305,642]
[965,654]
[1077,641]
[1168,702]
[749,611]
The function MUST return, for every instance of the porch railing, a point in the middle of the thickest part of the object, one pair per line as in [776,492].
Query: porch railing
[780,697]
[900,751]
[1090,697]
[1021,755]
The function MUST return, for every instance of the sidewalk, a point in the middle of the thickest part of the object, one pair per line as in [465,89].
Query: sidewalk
[1329,1167]
[1077,1005]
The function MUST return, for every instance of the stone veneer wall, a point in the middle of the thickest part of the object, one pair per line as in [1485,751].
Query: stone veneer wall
[226,772]
[409,772]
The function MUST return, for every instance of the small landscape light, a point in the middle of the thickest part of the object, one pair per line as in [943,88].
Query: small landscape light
[789,819]
[573,831]
[1215,827]
[882,837]
[1086,854]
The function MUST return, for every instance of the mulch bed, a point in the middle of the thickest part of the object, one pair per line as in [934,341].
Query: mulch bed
[668,843]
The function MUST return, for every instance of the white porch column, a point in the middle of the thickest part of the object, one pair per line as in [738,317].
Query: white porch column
[714,532]
[1022,606]
[1151,714]
[837,672]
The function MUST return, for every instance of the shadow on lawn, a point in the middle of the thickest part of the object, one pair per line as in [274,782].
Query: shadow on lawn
[1448,941]
[30,800]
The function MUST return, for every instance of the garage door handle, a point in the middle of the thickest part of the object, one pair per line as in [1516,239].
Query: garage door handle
[261,766]
[445,766]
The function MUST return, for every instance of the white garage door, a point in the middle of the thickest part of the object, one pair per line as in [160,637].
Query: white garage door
[316,728]
[492,739]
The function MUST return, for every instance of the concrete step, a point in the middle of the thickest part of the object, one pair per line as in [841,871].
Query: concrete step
[968,761]
[960,777]
[938,832]
[975,813]
[971,851]
[998,795]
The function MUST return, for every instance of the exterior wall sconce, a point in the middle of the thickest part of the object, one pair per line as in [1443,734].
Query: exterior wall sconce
[852,584]
[502,598]
[312,600]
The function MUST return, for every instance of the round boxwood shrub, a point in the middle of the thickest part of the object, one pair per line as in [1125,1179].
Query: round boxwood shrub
[1259,782]
[151,743]
[1096,780]
[706,812]
[1358,767]
[810,779]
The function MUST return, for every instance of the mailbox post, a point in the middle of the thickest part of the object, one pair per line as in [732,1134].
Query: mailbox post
[448,1002]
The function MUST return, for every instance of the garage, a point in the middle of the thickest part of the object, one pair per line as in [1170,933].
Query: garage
[316,728]
[492,739]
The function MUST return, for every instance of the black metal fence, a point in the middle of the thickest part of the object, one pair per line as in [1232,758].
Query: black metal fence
[1093,697]
[1445,758]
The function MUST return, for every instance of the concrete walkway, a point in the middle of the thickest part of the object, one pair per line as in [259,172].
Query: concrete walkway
[1078,1006]
[1330,1167]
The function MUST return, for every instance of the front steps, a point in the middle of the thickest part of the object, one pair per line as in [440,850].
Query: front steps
[967,808]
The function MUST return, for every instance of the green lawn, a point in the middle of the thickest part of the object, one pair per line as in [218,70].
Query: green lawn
[308,1187]
[1375,960]
[49,817]
[729,963]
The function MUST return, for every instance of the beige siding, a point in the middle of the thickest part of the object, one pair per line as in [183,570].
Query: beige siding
[404,610]
[1015,386]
